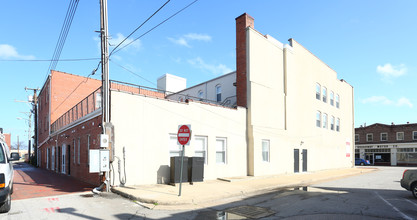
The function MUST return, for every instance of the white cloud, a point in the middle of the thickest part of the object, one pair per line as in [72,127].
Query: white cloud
[385,101]
[180,41]
[215,69]
[390,71]
[200,37]
[8,51]
[185,39]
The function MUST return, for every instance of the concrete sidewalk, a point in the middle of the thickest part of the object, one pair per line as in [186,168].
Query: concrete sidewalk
[217,192]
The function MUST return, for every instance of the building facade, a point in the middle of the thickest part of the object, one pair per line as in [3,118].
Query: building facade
[388,145]
[289,114]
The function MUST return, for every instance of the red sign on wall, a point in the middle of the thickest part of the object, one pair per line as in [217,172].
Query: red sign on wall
[184,134]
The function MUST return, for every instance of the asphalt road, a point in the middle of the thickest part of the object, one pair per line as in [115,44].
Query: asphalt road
[375,195]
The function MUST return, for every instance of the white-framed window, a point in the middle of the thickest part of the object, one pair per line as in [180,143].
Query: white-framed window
[356,137]
[414,135]
[332,123]
[337,101]
[338,124]
[318,91]
[47,158]
[265,150]
[218,93]
[384,136]
[98,100]
[324,94]
[200,147]
[200,95]
[73,149]
[325,120]
[88,150]
[175,149]
[369,137]
[318,119]
[221,150]
[331,98]
[400,136]
[79,150]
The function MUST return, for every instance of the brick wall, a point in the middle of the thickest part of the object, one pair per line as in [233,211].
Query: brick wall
[242,22]
[391,130]
[80,168]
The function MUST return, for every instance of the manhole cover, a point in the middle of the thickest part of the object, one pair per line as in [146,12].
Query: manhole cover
[251,211]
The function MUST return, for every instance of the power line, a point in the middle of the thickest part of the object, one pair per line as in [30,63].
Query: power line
[130,71]
[63,35]
[176,13]
[139,27]
[62,60]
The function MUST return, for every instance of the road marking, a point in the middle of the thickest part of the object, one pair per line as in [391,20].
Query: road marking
[411,202]
[395,208]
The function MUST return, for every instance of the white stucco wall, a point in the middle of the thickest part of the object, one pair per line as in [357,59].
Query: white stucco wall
[282,108]
[143,124]
[209,89]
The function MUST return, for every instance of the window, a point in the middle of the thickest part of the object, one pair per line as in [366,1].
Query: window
[265,150]
[47,158]
[338,124]
[174,148]
[324,94]
[318,91]
[369,137]
[221,150]
[356,137]
[73,149]
[218,93]
[200,147]
[88,150]
[400,136]
[337,101]
[325,120]
[384,137]
[318,119]
[200,95]
[414,135]
[332,123]
[98,100]
[331,98]
[78,153]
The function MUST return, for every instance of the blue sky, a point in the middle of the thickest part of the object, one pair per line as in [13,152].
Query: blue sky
[370,44]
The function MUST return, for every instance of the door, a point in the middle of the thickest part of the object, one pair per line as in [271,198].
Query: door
[63,160]
[68,159]
[296,160]
[304,160]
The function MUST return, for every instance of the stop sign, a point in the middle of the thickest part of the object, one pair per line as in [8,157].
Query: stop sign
[184,134]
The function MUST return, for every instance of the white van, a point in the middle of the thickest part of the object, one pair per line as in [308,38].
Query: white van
[6,176]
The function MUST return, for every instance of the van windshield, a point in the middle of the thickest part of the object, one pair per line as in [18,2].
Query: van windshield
[2,157]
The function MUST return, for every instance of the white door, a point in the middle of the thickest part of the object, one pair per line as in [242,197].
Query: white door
[63,154]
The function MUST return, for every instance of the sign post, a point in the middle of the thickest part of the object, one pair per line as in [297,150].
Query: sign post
[183,137]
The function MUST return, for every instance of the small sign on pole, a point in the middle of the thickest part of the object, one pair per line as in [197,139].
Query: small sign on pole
[183,137]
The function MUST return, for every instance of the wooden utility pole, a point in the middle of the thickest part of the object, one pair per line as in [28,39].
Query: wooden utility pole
[35,112]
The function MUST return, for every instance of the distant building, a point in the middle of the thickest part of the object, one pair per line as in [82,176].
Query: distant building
[388,145]
[282,111]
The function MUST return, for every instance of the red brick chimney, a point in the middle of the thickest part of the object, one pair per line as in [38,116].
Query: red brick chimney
[242,22]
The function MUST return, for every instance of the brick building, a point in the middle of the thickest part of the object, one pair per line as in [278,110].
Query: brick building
[382,144]
[290,114]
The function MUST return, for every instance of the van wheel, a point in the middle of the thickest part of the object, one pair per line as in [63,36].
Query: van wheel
[362,164]
[414,190]
[5,207]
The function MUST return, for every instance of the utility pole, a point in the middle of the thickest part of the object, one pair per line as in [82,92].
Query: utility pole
[105,75]
[35,112]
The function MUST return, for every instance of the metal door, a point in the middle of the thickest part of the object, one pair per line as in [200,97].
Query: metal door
[296,160]
[304,160]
